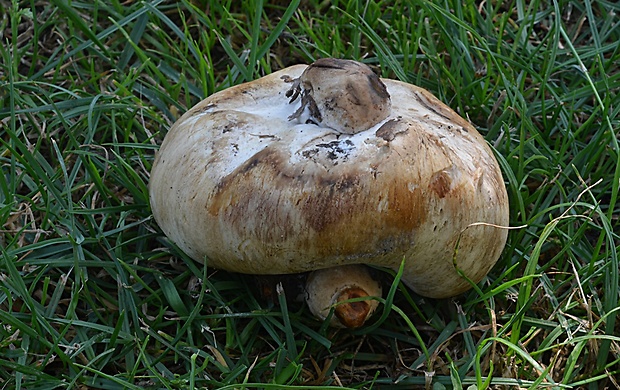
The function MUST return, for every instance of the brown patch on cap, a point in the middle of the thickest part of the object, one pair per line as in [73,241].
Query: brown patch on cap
[249,191]
[332,201]
[407,209]
[333,213]
[390,129]
[441,183]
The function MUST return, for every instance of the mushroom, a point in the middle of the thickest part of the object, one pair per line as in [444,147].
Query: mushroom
[316,167]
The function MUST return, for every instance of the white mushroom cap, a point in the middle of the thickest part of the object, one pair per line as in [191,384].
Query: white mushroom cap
[239,184]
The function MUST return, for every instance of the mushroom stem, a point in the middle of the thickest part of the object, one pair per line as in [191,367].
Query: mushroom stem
[333,287]
[352,314]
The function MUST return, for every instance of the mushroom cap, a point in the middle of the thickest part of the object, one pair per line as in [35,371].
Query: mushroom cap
[243,183]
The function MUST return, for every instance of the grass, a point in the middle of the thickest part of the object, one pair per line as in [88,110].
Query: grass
[93,296]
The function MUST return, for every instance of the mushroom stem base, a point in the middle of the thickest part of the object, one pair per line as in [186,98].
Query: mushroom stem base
[333,287]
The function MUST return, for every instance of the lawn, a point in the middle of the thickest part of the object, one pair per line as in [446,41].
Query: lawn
[93,295]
